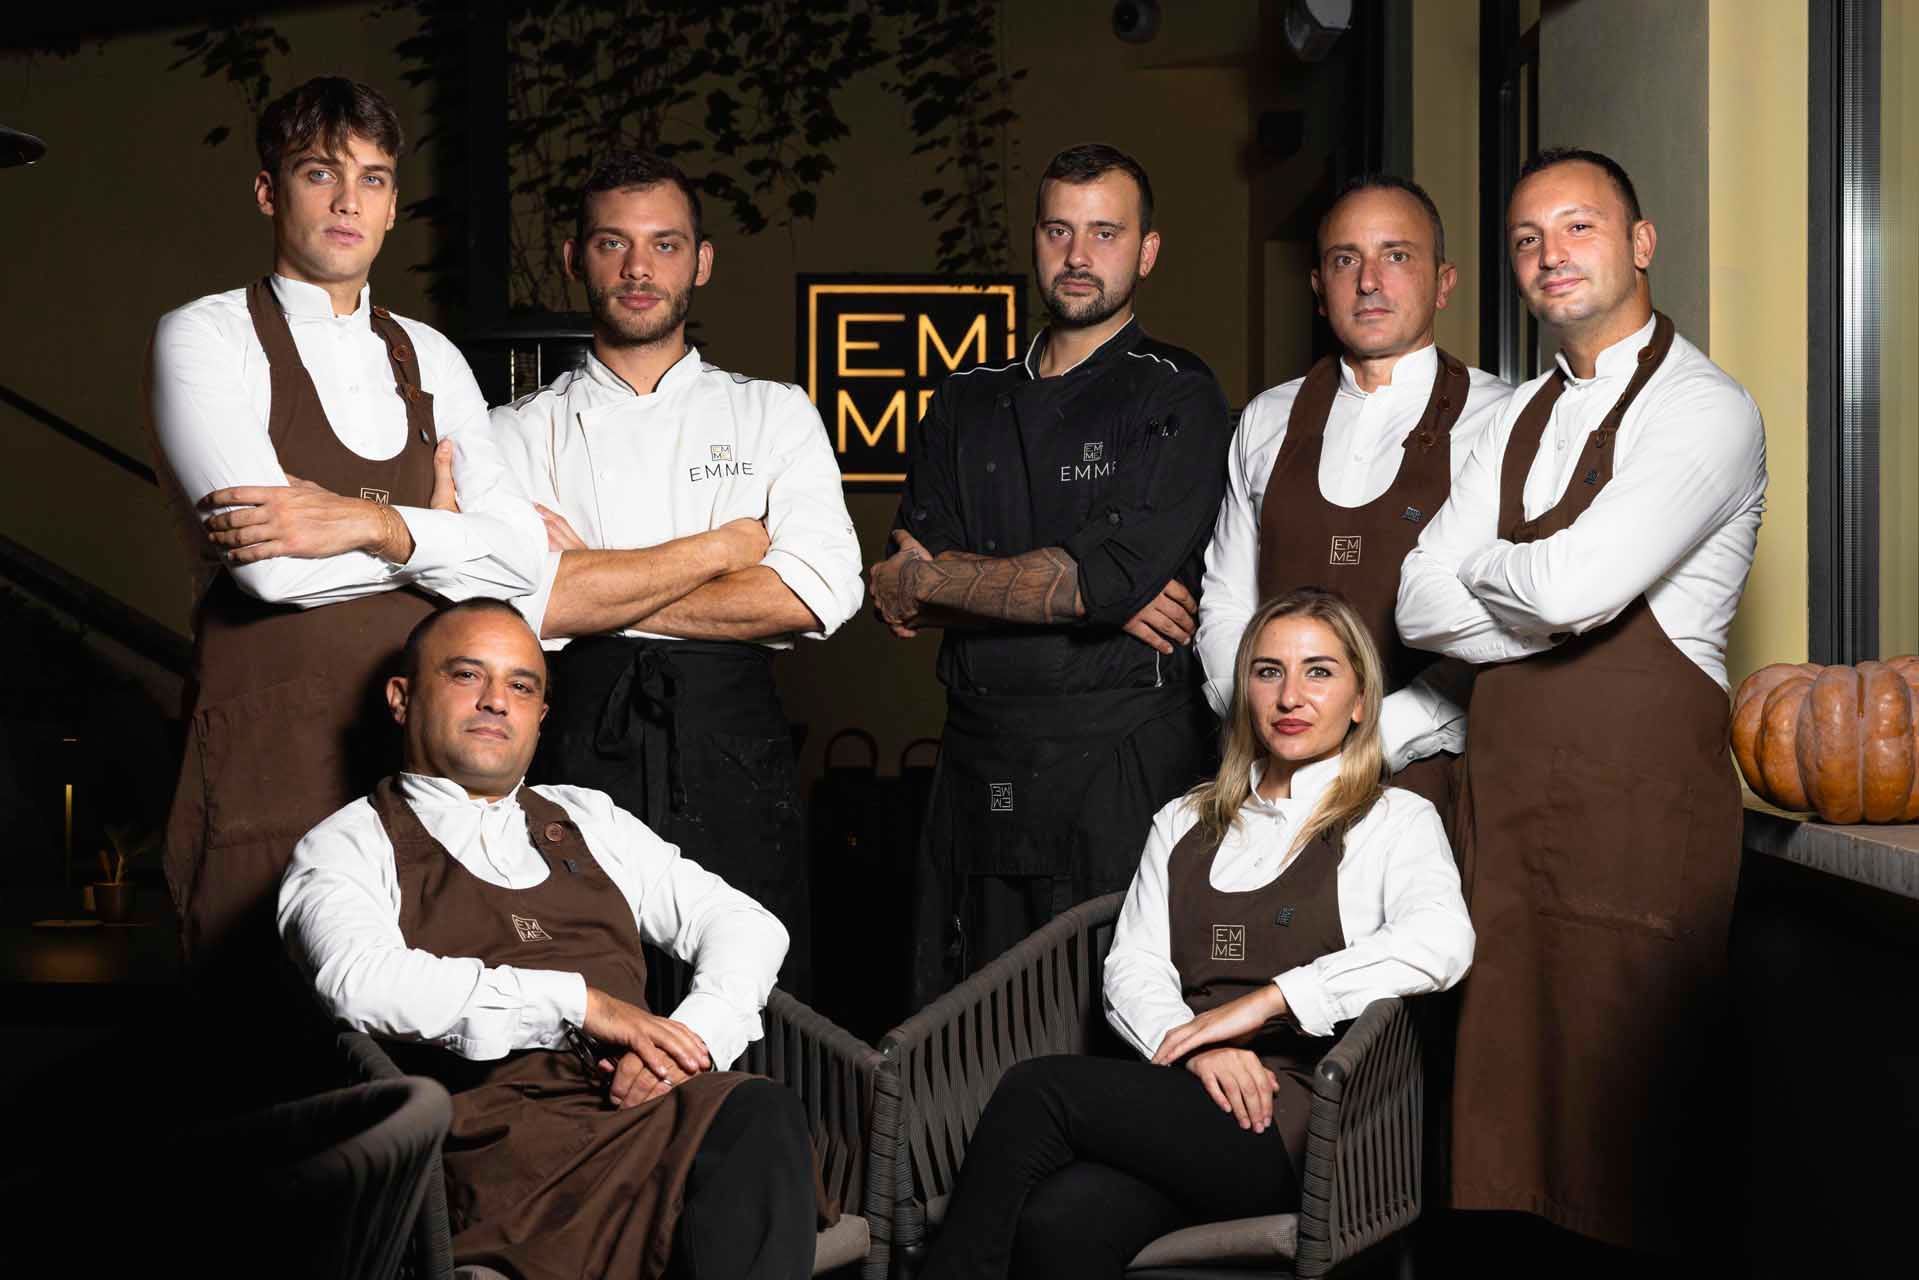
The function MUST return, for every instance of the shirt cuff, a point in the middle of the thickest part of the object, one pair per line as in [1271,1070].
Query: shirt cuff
[439,539]
[806,582]
[1407,731]
[719,1024]
[549,999]
[532,605]
[1219,696]
[1307,1000]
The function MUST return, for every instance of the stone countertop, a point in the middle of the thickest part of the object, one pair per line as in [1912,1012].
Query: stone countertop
[1880,856]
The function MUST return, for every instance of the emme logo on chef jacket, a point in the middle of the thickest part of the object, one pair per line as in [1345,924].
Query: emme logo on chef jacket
[873,349]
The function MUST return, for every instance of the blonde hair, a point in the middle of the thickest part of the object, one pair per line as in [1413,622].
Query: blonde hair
[1362,765]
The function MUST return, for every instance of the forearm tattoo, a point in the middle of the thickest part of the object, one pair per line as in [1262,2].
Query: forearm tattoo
[1038,587]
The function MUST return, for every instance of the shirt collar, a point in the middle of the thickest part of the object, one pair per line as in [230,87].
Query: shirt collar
[1309,783]
[428,791]
[311,302]
[680,376]
[1616,361]
[1123,339]
[1413,372]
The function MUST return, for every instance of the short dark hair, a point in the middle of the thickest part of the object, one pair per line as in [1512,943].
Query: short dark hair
[1387,182]
[1088,161]
[425,627]
[326,109]
[623,169]
[1552,156]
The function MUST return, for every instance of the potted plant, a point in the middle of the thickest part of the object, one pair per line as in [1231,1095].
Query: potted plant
[113,896]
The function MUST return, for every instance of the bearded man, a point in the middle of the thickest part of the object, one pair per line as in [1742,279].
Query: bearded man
[695,526]
[1053,521]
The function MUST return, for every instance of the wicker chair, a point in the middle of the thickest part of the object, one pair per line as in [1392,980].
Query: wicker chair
[852,1109]
[1363,1151]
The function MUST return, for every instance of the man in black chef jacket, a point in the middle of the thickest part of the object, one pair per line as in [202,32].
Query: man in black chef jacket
[1052,521]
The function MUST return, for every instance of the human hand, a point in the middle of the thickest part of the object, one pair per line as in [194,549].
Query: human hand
[634,1082]
[889,582]
[559,534]
[1168,618]
[665,1049]
[1240,1083]
[299,519]
[445,496]
[1234,1020]
[745,541]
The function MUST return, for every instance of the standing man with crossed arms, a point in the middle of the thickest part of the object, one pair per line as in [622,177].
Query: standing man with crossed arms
[697,526]
[1591,558]
[297,426]
[1052,521]
[1332,476]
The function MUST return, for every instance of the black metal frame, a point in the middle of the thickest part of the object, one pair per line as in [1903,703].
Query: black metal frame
[1508,343]
[1843,261]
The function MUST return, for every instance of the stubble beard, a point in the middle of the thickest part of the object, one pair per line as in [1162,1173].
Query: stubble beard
[615,327]
[1083,313]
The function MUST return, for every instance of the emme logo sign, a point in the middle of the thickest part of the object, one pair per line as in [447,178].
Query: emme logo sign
[874,348]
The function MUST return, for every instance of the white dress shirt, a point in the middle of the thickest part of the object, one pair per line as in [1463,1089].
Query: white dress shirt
[1678,522]
[1358,461]
[704,447]
[210,392]
[1400,909]
[339,916]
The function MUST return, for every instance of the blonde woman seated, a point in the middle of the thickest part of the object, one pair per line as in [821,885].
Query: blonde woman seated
[1270,905]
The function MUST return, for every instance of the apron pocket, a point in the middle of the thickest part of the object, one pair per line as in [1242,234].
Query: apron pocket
[1614,853]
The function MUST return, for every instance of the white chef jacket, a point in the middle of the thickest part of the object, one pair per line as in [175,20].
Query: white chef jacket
[1400,910]
[704,447]
[1677,523]
[339,916]
[1359,460]
[210,392]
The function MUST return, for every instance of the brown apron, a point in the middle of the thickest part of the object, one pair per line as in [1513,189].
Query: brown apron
[1228,944]
[286,721]
[1305,540]
[542,1175]
[1602,825]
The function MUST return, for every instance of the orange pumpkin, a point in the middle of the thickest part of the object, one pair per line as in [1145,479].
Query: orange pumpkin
[1842,742]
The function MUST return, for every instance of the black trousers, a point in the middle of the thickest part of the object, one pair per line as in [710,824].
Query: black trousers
[749,1212]
[1078,1163]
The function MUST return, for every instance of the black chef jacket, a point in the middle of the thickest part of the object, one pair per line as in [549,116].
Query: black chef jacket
[1121,461]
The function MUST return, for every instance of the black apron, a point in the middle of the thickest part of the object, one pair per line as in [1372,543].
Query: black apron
[689,737]
[1040,803]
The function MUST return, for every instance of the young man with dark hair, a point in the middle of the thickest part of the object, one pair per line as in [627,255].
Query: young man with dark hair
[491,932]
[1333,475]
[696,526]
[1591,558]
[1052,522]
[297,426]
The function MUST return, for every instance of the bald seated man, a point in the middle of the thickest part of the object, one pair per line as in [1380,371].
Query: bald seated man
[491,932]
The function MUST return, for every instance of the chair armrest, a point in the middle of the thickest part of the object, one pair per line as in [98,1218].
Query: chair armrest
[851,1096]
[1364,1140]
[1041,997]
[429,1252]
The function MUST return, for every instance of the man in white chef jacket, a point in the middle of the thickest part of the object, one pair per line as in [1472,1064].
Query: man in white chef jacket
[696,524]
